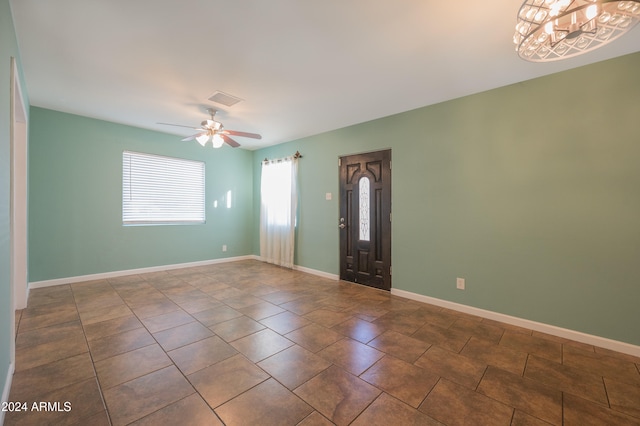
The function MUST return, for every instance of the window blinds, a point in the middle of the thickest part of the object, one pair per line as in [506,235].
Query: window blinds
[161,190]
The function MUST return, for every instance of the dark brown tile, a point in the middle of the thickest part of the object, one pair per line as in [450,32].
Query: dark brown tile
[285,322]
[145,309]
[457,368]
[313,337]
[242,301]
[53,315]
[478,329]
[400,346]
[261,345]
[166,321]
[621,356]
[624,397]
[176,337]
[116,344]
[510,327]
[216,315]
[401,322]
[386,410]
[315,419]
[225,293]
[440,317]
[201,354]
[408,383]
[104,313]
[579,411]
[603,365]
[544,348]
[294,366]
[496,355]
[303,305]
[130,365]
[227,379]
[454,405]
[359,329]
[49,309]
[76,403]
[110,327]
[48,352]
[49,334]
[367,312]
[353,356]
[138,398]
[567,379]
[521,418]
[93,302]
[236,328]
[200,304]
[31,384]
[269,403]
[98,419]
[327,318]
[453,340]
[284,296]
[530,396]
[191,410]
[261,310]
[337,395]
[44,296]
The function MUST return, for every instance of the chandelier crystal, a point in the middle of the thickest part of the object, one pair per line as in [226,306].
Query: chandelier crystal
[549,30]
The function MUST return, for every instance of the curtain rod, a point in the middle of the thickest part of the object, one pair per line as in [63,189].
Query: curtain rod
[296,156]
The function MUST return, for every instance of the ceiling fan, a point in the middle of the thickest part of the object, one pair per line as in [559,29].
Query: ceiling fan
[213,130]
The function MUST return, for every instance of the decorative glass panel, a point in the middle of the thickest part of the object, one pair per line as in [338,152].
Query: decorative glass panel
[364,208]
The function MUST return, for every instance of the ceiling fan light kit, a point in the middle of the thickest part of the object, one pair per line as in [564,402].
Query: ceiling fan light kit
[214,131]
[550,30]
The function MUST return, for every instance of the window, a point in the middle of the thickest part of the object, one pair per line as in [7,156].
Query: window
[278,209]
[161,190]
[364,203]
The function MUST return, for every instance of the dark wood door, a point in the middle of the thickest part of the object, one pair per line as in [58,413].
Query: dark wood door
[365,219]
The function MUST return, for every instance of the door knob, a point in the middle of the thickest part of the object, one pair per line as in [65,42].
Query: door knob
[342,226]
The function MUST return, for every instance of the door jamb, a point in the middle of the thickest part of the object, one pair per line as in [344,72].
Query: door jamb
[18,200]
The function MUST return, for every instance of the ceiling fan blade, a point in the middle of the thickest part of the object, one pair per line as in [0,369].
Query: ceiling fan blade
[192,137]
[243,134]
[179,125]
[229,141]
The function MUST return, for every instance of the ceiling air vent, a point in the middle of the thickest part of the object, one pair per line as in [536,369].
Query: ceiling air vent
[224,99]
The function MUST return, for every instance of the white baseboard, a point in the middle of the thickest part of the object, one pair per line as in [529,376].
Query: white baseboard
[102,276]
[315,272]
[602,342]
[7,389]
[322,274]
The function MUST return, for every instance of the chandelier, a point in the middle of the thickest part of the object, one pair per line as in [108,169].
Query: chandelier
[549,30]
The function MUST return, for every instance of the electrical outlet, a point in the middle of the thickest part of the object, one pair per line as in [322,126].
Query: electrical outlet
[224,247]
[460,283]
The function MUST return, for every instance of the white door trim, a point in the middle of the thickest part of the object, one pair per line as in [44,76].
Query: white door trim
[18,202]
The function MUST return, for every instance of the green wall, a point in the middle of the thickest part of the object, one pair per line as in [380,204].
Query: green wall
[530,192]
[75,200]
[8,49]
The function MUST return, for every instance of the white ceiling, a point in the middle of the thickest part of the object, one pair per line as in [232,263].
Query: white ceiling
[303,67]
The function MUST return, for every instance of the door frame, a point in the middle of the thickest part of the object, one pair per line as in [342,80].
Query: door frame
[390,207]
[18,200]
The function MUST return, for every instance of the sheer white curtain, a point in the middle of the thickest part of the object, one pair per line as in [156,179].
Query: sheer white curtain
[278,209]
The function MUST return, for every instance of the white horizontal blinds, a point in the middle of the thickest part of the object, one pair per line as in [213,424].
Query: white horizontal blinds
[158,189]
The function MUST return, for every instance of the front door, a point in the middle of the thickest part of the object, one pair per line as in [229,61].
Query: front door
[365,219]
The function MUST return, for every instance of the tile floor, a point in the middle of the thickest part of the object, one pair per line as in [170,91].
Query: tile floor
[247,343]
